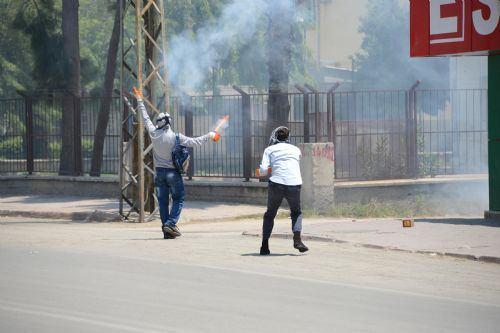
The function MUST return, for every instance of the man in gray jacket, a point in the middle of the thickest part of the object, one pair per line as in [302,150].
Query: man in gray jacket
[168,180]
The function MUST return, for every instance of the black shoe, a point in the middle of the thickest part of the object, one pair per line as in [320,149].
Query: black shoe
[172,230]
[177,231]
[297,243]
[264,249]
[166,235]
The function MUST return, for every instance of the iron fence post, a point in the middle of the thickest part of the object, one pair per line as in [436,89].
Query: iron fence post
[77,135]
[306,111]
[29,135]
[247,133]
[330,112]
[331,123]
[189,128]
[411,131]
[415,130]
[30,164]
[317,120]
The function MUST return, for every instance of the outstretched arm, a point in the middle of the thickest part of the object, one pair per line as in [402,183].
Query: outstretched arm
[193,142]
[142,109]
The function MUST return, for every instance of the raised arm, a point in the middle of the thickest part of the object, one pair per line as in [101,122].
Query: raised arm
[147,121]
[142,109]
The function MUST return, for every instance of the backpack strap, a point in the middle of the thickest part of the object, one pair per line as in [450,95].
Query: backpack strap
[177,140]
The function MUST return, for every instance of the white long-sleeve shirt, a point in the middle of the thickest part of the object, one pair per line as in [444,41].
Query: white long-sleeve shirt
[284,160]
[164,140]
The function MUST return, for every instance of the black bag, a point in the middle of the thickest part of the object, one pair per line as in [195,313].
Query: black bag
[180,156]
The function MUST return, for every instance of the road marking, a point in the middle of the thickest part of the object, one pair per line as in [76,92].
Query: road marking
[56,313]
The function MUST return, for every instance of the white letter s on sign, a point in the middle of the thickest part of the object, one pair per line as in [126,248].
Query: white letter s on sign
[487,27]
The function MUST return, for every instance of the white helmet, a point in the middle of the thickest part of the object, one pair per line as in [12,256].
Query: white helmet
[163,119]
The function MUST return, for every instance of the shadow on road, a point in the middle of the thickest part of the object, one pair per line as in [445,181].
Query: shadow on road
[271,255]
[135,239]
[55,221]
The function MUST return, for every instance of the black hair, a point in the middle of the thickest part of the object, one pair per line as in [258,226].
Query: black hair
[282,134]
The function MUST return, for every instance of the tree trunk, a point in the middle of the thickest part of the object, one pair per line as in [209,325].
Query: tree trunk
[279,39]
[153,23]
[70,163]
[107,93]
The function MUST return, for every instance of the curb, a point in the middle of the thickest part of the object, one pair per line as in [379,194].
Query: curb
[493,216]
[95,216]
[100,216]
[486,259]
[223,219]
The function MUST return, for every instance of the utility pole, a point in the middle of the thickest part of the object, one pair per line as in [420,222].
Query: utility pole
[143,64]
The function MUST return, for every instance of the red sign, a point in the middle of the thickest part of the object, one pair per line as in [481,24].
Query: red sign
[439,27]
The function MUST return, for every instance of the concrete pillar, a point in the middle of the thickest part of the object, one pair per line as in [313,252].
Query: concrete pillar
[494,135]
[318,170]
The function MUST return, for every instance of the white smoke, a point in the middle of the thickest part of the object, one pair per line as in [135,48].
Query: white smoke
[191,58]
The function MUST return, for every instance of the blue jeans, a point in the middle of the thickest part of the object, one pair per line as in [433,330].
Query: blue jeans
[169,182]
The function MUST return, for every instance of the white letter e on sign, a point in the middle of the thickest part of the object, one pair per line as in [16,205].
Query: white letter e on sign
[486,27]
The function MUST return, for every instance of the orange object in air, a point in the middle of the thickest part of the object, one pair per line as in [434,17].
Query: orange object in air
[221,123]
[216,137]
[137,92]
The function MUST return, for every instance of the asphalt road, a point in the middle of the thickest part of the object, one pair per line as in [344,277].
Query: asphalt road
[54,290]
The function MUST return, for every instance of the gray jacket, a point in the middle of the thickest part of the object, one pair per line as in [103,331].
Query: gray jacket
[164,140]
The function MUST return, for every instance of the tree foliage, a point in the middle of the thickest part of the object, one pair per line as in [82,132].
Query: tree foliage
[246,62]
[40,20]
[15,62]
[31,52]
[96,25]
[384,61]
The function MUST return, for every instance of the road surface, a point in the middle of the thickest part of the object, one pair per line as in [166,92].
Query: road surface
[71,277]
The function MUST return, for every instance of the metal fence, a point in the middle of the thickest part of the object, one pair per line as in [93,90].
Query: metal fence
[376,134]
[31,136]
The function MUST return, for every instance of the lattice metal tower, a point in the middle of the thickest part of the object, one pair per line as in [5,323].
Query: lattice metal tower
[143,64]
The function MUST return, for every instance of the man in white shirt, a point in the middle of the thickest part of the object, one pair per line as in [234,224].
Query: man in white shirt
[283,159]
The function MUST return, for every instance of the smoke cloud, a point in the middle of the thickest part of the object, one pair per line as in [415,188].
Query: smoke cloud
[191,58]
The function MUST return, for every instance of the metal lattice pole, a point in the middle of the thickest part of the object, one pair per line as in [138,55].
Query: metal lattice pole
[143,63]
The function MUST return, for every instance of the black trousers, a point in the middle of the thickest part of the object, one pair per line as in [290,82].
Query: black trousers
[275,194]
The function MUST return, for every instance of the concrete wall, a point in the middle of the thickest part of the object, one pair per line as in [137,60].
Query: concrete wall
[451,191]
[59,185]
[318,171]
[240,192]
[110,165]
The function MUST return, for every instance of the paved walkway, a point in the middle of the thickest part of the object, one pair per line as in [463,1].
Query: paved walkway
[101,210]
[463,237]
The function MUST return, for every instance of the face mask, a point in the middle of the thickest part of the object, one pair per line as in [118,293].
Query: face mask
[273,139]
[163,120]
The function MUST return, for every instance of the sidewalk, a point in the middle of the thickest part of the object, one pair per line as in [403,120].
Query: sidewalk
[106,210]
[468,238]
